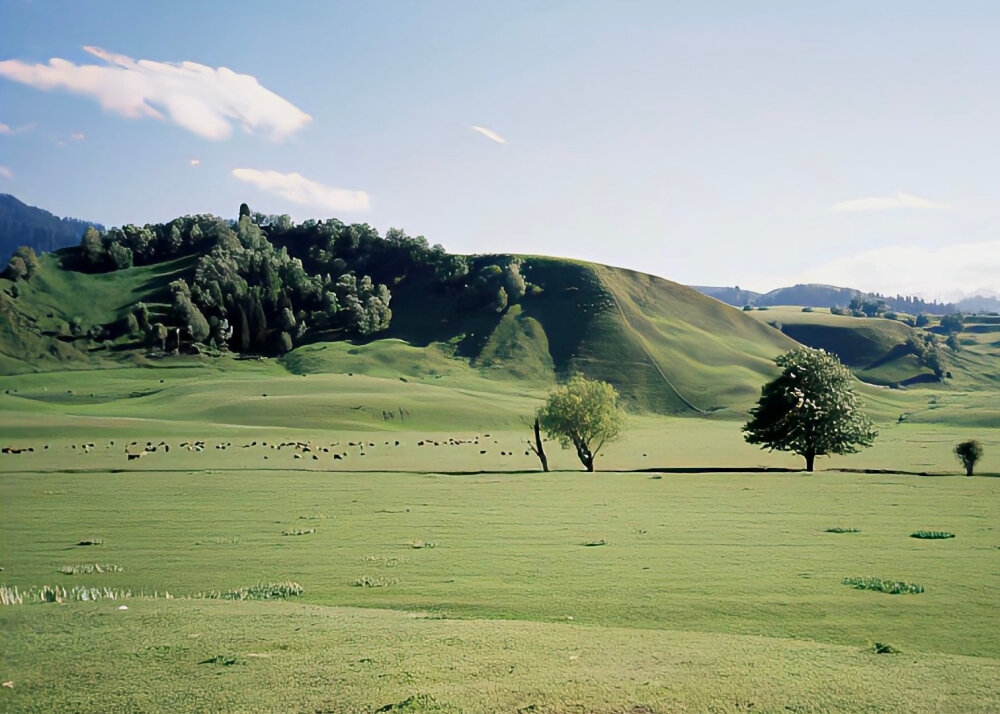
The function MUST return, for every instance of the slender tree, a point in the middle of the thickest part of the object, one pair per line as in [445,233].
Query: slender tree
[538,448]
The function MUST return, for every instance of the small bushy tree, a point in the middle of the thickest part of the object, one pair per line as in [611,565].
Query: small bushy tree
[27,254]
[969,452]
[16,269]
[952,323]
[93,247]
[584,414]
[121,256]
[810,409]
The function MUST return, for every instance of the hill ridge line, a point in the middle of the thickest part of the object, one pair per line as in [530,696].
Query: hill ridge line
[649,354]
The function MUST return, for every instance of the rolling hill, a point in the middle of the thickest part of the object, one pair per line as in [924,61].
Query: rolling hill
[667,348]
[881,351]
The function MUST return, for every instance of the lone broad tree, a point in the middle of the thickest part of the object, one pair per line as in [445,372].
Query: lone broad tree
[584,414]
[969,452]
[810,409]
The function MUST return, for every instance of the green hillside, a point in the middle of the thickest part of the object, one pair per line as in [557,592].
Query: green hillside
[331,299]
[37,326]
[880,351]
[666,347]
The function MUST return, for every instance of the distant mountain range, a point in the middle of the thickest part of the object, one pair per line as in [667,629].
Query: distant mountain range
[815,295]
[21,224]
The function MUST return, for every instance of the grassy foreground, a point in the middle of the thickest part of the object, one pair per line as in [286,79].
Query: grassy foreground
[213,656]
[712,592]
[442,572]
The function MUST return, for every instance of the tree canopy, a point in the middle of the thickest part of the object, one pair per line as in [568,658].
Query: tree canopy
[584,414]
[810,409]
[264,284]
[969,452]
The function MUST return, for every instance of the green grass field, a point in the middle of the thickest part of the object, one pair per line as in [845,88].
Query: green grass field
[718,587]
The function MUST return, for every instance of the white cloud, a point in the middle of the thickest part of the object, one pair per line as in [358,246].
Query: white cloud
[8,130]
[204,100]
[946,272]
[194,162]
[900,200]
[490,134]
[6,173]
[298,189]
[78,136]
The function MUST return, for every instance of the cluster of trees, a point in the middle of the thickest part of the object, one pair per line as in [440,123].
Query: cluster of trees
[263,284]
[810,409]
[23,264]
[924,346]
[868,306]
[911,305]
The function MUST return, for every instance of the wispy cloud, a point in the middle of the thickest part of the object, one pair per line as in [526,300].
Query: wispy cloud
[6,173]
[194,162]
[204,100]
[946,272]
[78,136]
[8,130]
[298,189]
[490,134]
[885,203]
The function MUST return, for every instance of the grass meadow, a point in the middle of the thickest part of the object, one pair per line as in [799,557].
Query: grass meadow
[436,577]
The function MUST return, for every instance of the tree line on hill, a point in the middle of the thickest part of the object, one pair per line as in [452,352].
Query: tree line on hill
[262,284]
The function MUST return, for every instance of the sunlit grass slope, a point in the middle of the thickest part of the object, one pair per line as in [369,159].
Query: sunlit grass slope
[35,326]
[874,347]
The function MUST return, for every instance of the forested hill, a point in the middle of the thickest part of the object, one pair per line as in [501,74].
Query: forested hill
[262,285]
[24,225]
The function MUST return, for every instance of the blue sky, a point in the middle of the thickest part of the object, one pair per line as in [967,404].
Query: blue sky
[749,143]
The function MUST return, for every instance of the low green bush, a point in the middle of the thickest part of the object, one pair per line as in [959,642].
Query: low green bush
[931,535]
[892,587]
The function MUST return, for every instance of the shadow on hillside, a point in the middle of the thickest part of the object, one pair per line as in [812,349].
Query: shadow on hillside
[896,352]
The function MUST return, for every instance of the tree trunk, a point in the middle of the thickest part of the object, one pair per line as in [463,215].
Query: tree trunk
[968,469]
[586,458]
[539,449]
[810,457]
